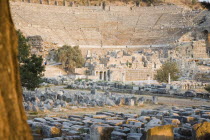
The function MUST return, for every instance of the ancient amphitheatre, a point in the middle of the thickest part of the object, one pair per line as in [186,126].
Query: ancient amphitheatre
[147,36]
[127,28]
[114,26]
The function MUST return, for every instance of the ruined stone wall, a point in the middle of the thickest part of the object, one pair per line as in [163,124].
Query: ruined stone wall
[190,50]
[82,71]
[200,49]
[118,75]
[140,74]
[128,74]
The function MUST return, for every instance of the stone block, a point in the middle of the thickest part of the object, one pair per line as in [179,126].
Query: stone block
[101,132]
[48,131]
[171,121]
[160,133]
[201,131]
[118,135]
[185,131]
[115,122]
[134,136]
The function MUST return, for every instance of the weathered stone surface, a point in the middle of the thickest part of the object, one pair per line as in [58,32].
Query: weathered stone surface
[134,136]
[121,101]
[144,119]
[100,116]
[101,132]
[93,91]
[39,120]
[155,99]
[160,133]
[115,122]
[171,121]
[118,135]
[152,123]
[36,127]
[185,131]
[148,112]
[48,131]
[201,131]
[120,125]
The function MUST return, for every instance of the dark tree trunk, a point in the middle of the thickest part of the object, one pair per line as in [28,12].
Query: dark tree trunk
[13,125]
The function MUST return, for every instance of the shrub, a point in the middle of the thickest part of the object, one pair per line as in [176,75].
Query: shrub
[166,68]
[70,57]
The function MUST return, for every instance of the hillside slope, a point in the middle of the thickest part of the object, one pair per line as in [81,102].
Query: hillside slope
[116,25]
[187,3]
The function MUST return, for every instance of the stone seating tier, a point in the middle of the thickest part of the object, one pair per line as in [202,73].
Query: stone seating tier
[93,26]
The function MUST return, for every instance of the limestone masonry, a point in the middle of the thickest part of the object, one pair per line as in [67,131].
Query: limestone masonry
[117,25]
[119,43]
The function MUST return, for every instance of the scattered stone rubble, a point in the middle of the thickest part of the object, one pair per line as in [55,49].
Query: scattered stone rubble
[59,80]
[61,99]
[179,123]
[176,89]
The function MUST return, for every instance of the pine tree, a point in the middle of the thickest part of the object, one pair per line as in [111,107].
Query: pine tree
[31,67]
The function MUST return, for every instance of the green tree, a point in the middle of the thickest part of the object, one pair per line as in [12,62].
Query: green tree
[166,68]
[31,68]
[205,5]
[70,57]
[23,47]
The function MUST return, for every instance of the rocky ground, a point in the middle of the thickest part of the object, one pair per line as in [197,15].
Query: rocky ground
[116,125]
[62,114]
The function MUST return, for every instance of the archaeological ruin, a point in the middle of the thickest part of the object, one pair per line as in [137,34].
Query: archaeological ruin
[114,95]
[111,40]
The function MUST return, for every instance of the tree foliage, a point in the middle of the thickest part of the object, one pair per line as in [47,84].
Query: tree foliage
[70,57]
[166,68]
[31,68]
[23,47]
[205,5]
